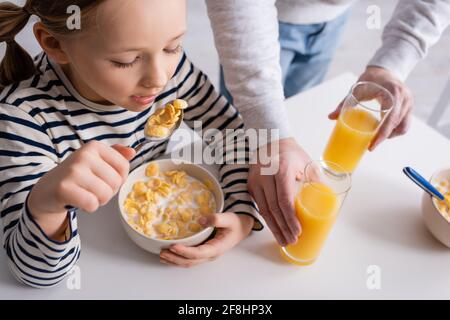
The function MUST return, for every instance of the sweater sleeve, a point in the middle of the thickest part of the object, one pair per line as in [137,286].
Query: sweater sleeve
[26,154]
[416,25]
[246,38]
[222,129]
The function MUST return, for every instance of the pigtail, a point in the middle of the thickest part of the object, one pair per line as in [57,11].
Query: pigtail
[17,64]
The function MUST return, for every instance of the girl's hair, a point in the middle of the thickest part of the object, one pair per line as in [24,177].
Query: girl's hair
[17,64]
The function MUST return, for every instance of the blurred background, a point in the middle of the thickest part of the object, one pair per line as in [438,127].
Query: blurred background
[358,44]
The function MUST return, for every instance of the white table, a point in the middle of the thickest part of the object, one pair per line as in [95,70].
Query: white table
[380,224]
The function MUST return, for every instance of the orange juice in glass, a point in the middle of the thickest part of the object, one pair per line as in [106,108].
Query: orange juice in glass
[363,112]
[317,204]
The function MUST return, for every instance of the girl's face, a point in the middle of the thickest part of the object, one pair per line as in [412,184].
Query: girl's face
[129,53]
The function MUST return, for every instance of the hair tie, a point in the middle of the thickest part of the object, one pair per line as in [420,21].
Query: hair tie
[27,10]
[29,13]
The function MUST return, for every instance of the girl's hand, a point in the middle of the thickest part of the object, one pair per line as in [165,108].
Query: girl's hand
[231,229]
[87,179]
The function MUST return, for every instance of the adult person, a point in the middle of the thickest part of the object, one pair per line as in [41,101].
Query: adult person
[253,36]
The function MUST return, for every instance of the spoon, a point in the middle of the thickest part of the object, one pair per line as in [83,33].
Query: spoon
[150,138]
[425,185]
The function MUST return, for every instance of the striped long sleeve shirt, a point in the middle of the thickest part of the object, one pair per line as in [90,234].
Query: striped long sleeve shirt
[44,119]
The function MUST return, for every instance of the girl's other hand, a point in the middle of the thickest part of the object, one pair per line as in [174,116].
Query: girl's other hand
[231,229]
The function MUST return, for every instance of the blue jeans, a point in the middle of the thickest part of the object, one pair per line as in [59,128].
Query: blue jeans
[306,54]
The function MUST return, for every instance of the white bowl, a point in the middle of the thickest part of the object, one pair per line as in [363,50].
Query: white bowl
[155,245]
[434,220]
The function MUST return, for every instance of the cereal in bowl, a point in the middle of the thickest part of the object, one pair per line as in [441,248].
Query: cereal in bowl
[443,187]
[168,205]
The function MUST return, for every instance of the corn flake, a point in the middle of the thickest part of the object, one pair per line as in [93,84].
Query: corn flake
[162,122]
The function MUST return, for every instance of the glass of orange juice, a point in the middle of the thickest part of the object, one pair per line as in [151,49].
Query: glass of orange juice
[321,195]
[363,112]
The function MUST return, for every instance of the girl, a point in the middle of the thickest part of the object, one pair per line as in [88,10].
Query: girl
[68,117]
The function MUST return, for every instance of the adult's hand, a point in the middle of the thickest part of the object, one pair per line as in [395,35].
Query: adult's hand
[399,120]
[275,193]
